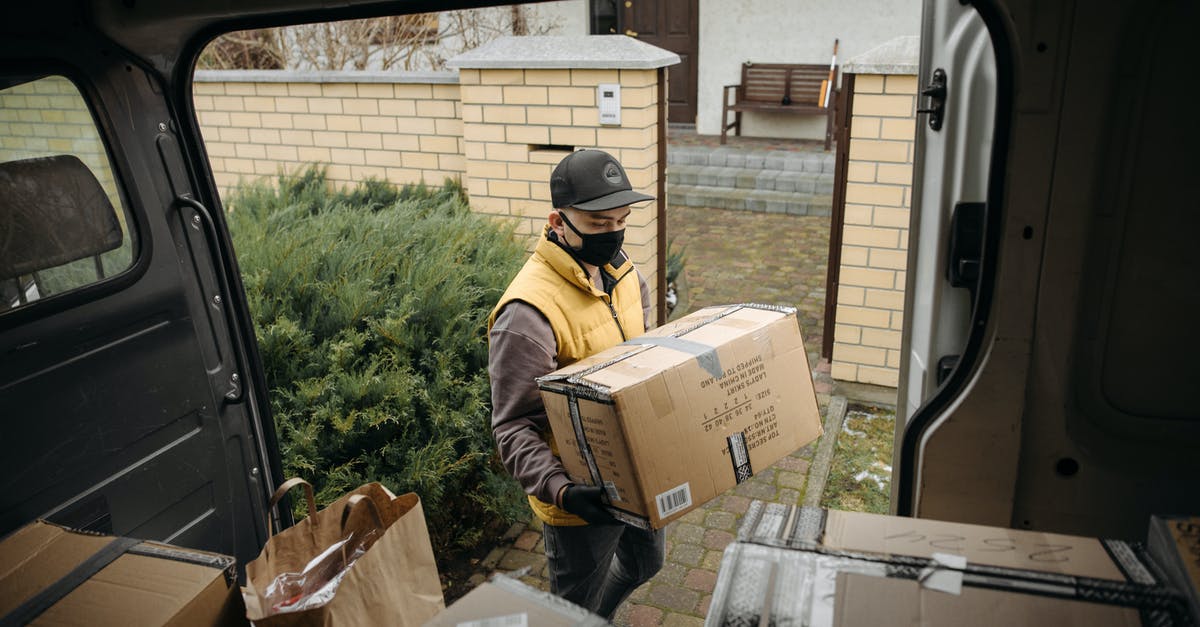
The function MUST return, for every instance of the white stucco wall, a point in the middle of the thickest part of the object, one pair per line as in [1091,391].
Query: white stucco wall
[564,17]
[787,31]
[570,17]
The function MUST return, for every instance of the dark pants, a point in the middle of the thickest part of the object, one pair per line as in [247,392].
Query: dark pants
[583,569]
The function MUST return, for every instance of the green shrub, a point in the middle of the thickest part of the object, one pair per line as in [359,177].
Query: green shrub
[371,307]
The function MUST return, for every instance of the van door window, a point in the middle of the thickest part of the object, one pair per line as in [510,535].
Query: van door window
[64,223]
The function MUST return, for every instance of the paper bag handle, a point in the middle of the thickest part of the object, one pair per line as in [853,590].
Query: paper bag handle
[283,489]
[353,501]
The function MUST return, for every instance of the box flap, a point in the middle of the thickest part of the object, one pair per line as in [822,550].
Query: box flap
[993,546]
[699,334]
[519,604]
[868,601]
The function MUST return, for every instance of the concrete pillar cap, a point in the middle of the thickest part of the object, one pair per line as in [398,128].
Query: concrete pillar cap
[568,51]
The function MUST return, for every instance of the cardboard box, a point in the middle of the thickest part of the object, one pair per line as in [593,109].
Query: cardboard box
[800,565]
[506,602]
[50,575]
[669,420]
[1017,549]
[1174,544]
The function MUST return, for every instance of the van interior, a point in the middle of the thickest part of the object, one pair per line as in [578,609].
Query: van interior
[1050,356]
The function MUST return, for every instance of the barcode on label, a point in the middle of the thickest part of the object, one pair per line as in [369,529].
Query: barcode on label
[674,500]
[512,620]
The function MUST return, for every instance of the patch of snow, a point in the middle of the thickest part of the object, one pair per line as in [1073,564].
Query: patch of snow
[866,474]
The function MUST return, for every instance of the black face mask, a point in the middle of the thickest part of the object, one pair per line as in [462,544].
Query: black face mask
[598,248]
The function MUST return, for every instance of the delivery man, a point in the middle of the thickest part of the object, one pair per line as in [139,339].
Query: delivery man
[578,294]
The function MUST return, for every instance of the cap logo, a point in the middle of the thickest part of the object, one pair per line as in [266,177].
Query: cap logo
[612,173]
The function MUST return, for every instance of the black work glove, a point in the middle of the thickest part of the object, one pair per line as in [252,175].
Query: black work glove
[584,501]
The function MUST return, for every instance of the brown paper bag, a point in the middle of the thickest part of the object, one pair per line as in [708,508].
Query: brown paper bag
[395,582]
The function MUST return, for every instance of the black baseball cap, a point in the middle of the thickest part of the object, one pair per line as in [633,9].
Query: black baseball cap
[592,180]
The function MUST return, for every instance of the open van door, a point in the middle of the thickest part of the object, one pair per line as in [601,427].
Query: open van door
[131,399]
[1049,352]
[952,163]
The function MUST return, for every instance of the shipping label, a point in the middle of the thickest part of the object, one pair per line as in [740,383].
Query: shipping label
[674,500]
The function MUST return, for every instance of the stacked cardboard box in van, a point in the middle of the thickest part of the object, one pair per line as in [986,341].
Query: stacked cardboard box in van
[797,565]
[52,575]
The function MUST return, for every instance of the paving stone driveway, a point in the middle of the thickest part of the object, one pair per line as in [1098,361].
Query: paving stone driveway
[731,257]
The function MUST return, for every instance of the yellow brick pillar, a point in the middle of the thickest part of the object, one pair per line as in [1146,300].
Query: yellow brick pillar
[874,249]
[527,102]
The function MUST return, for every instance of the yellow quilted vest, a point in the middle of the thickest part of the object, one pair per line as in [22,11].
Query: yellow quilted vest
[583,318]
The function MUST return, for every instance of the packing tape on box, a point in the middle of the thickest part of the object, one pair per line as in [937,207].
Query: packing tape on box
[706,355]
[789,525]
[944,574]
[589,457]
[739,456]
[647,342]
[1127,561]
[581,438]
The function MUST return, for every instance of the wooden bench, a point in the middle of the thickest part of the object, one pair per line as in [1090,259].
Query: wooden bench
[779,87]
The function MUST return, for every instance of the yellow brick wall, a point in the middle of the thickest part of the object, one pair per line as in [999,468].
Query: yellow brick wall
[400,132]
[511,116]
[870,299]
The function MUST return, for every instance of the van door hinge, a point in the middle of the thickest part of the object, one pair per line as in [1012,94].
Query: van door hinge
[936,91]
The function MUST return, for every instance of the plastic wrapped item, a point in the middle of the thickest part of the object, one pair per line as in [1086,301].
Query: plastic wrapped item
[817,586]
[317,583]
[767,585]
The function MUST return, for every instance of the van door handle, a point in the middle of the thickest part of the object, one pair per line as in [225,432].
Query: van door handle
[966,245]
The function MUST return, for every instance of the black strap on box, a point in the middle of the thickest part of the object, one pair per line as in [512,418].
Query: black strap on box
[44,600]
[581,438]
[589,457]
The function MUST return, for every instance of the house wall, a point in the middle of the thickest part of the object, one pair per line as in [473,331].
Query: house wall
[564,17]
[787,31]
[770,31]
[874,255]
[401,127]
